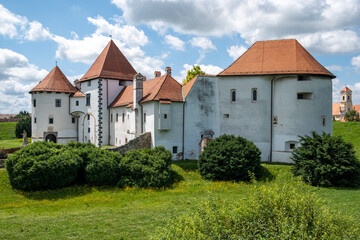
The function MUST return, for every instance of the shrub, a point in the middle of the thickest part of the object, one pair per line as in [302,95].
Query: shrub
[272,211]
[146,168]
[229,158]
[42,165]
[23,124]
[3,154]
[352,116]
[324,160]
[102,168]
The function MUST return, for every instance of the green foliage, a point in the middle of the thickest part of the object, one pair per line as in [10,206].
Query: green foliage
[103,168]
[42,165]
[229,158]
[325,160]
[278,211]
[23,124]
[3,155]
[7,130]
[196,70]
[352,116]
[22,114]
[146,168]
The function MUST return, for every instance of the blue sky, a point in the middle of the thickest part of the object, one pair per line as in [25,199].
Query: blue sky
[154,34]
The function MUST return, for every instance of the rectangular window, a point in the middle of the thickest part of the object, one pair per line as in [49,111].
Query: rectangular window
[305,95]
[111,117]
[254,94]
[123,117]
[226,115]
[77,103]
[89,83]
[34,102]
[57,102]
[73,120]
[88,129]
[117,117]
[233,95]
[323,119]
[51,120]
[144,117]
[165,116]
[34,120]
[175,149]
[292,145]
[88,99]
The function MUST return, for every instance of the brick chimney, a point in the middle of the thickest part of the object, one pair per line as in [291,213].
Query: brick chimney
[138,89]
[157,73]
[168,70]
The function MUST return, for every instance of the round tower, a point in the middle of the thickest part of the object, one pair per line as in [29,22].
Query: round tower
[50,101]
[345,100]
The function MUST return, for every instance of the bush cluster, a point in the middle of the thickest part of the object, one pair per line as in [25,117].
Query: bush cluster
[325,160]
[229,158]
[46,165]
[23,124]
[271,211]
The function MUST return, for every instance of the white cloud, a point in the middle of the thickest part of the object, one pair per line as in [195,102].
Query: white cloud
[17,78]
[321,25]
[355,61]
[236,51]
[37,32]
[10,22]
[334,68]
[175,42]
[203,43]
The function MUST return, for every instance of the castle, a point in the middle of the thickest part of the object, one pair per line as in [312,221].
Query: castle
[270,95]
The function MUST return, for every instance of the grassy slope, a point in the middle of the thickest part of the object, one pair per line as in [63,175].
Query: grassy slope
[7,130]
[85,212]
[350,131]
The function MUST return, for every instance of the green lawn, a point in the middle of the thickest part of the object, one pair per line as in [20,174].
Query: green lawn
[350,131]
[7,130]
[84,212]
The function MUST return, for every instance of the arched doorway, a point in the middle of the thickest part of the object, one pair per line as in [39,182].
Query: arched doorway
[50,138]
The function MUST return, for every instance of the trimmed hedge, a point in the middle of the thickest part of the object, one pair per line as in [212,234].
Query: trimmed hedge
[229,158]
[146,168]
[42,165]
[325,160]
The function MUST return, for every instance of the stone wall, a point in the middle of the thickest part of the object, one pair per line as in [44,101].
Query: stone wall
[142,141]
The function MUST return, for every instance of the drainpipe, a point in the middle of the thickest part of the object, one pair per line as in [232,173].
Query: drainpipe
[271,117]
[107,106]
[183,132]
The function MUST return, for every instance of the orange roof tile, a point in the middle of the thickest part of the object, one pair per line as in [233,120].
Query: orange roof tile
[335,109]
[111,63]
[55,81]
[160,88]
[187,86]
[346,89]
[276,57]
[78,94]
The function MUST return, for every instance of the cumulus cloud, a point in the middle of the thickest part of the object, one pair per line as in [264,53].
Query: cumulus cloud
[10,22]
[37,32]
[203,43]
[355,61]
[236,51]
[17,78]
[175,42]
[316,22]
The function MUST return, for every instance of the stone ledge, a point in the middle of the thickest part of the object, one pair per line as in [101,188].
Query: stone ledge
[142,141]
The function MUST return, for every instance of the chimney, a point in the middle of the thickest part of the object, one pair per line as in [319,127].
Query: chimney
[157,73]
[138,90]
[168,70]
[144,78]
[77,84]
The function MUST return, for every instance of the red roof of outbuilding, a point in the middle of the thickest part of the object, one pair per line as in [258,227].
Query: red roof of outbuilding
[55,81]
[160,88]
[346,89]
[276,57]
[78,94]
[111,63]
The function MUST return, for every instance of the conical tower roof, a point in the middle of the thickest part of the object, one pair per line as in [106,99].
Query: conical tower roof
[55,81]
[346,89]
[276,57]
[111,63]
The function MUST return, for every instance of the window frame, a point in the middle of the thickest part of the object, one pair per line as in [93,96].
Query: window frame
[57,102]
[88,99]
[34,103]
[233,95]
[254,92]
[51,120]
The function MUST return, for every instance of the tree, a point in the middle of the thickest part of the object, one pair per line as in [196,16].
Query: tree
[196,70]
[352,116]
[22,114]
[23,124]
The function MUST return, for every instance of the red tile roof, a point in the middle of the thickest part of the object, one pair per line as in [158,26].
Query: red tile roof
[187,86]
[55,81]
[335,109]
[111,63]
[78,94]
[276,57]
[346,89]
[160,88]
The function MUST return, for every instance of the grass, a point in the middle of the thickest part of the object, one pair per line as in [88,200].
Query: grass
[7,130]
[84,212]
[350,132]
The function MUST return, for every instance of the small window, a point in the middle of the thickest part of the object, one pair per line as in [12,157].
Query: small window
[73,120]
[348,98]
[144,117]
[77,103]
[34,102]
[126,140]
[34,120]
[275,120]
[111,118]
[226,115]
[57,102]
[88,129]
[323,120]
[304,77]
[51,120]
[89,83]
[343,97]
[165,116]
[233,95]
[88,99]
[305,95]
[117,117]
[292,145]
[175,149]
[254,94]
[123,117]
[88,117]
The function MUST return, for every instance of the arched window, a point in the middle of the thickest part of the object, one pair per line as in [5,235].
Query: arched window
[233,95]
[254,95]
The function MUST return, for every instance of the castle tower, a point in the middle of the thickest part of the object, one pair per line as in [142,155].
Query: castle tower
[345,100]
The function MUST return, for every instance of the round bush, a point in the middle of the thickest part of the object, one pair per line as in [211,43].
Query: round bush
[146,168]
[325,160]
[102,168]
[42,165]
[229,158]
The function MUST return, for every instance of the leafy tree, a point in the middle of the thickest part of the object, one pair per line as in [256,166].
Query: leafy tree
[196,70]
[352,116]
[23,124]
[22,114]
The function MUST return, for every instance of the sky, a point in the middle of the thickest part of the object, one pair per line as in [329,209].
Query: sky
[153,34]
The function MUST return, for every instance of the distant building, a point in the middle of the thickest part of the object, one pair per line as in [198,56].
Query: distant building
[340,109]
[270,95]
